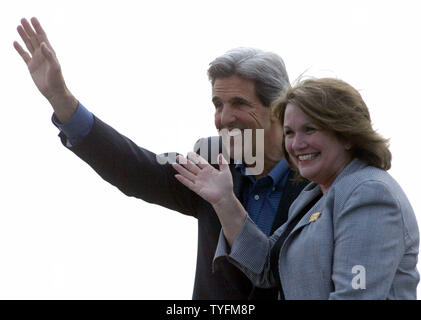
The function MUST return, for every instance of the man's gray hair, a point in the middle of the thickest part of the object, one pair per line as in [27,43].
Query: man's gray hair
[266,69]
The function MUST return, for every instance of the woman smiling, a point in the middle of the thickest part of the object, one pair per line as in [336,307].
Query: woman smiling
[350,234]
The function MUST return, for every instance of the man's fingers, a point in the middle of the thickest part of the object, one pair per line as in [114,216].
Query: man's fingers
[25,39]
[31,33]
[40,33]
[46,51]
[38,28]
[25,55]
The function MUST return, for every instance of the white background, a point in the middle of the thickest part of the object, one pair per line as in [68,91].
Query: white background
[141,67]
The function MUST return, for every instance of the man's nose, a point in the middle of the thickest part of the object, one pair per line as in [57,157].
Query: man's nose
[228,117]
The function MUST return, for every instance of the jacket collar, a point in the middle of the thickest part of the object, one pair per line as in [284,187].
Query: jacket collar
[313,190]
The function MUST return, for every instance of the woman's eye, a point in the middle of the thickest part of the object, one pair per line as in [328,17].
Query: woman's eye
[310,129]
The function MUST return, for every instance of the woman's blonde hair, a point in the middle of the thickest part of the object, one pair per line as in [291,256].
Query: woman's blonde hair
[336,106]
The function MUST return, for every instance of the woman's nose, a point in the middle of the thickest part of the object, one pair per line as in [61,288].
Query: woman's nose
[299,142]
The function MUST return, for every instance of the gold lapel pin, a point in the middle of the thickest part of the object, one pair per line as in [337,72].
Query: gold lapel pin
[315,216]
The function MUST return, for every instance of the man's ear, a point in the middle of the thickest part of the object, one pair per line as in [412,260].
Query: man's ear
[348,146]
[273,117]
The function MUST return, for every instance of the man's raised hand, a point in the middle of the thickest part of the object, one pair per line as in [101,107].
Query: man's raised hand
[45,69]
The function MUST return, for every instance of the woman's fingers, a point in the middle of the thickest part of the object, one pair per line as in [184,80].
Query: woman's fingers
[184,172]
[189,165]
[198,160]
[189,169]
[185,181]
[223,164]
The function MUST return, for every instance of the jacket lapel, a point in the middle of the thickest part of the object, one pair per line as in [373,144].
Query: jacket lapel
[312,215]
[237,179]
[313,190]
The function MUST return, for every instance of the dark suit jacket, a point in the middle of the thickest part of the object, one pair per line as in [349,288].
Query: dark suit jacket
[137,173]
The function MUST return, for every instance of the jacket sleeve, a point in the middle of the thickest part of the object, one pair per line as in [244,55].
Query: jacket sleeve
[250,253]
[368,243]
[135,171]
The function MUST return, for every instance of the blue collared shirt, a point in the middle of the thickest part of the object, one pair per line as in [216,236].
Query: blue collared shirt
[78,127]
[261,197]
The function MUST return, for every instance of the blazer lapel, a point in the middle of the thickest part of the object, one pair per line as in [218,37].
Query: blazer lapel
[237,179]
[312,215]
[311,191]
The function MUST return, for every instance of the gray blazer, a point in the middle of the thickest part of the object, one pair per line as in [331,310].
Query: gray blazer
[359,241]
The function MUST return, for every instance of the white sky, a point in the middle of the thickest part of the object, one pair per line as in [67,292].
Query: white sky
[141,67]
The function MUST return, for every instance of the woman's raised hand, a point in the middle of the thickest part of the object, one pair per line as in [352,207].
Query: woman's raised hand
[197,174]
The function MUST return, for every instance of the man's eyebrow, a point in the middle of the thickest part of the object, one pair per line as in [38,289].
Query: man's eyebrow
[239,100]
[233,100]
[215,99]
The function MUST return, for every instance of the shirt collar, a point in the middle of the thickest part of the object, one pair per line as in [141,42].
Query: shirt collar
[277,172]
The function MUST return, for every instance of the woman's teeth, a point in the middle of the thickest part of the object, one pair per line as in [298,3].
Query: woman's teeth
[308,156]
